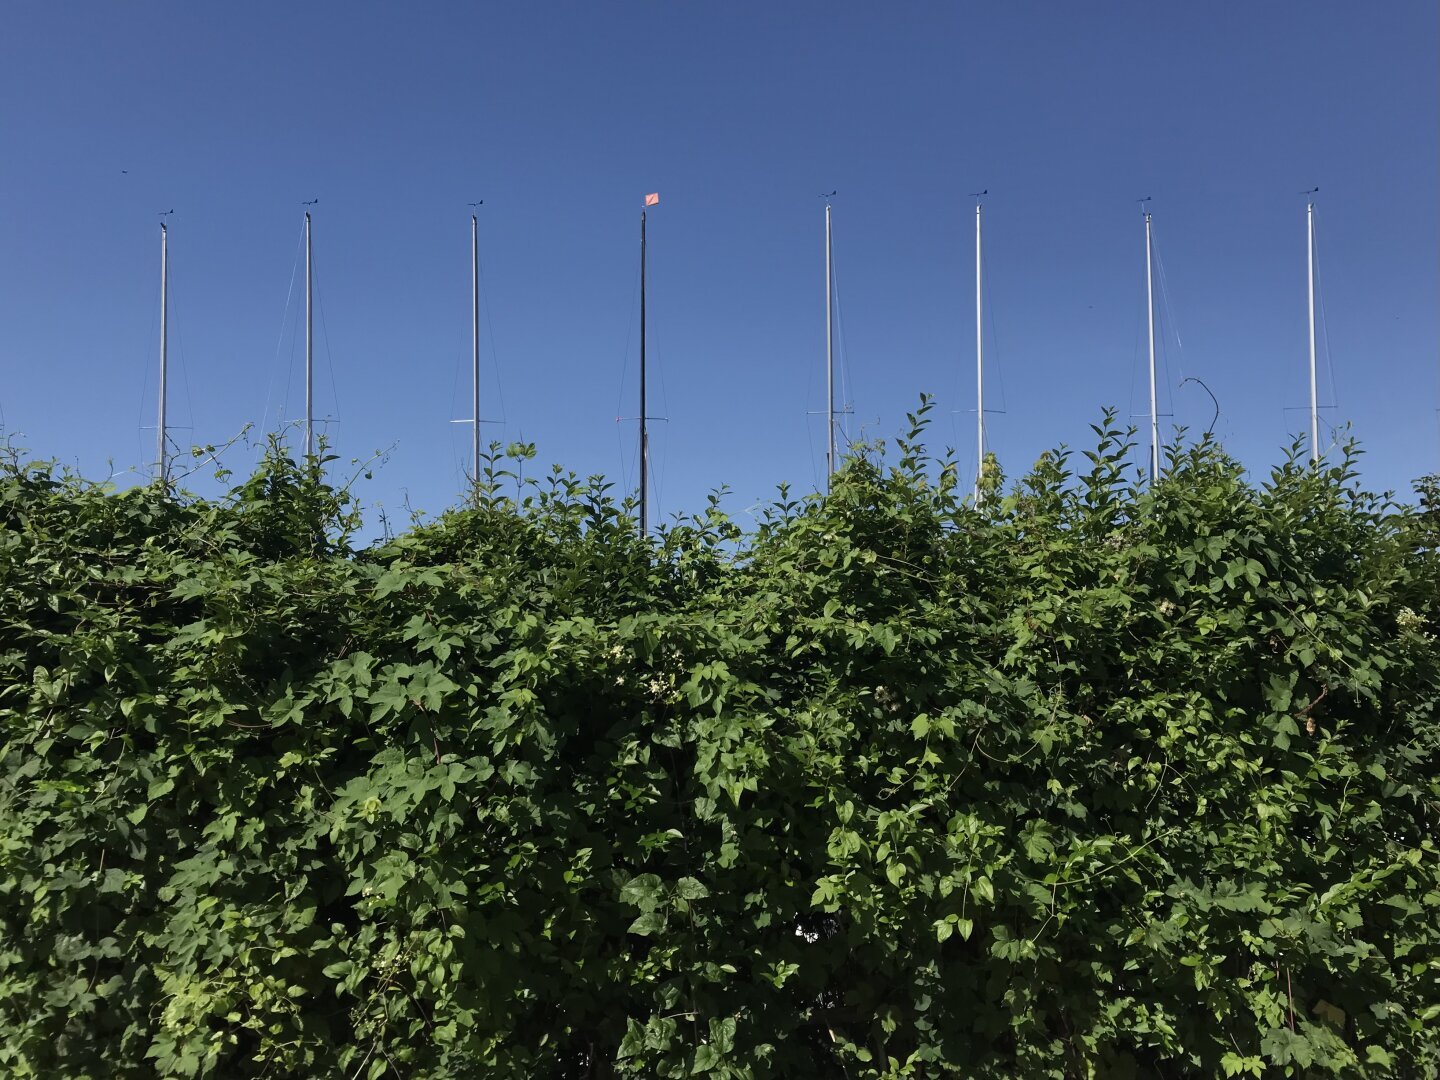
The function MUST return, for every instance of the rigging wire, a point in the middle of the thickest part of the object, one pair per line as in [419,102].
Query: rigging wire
[620,393]
[325,333]
[490,328]
[460,458]
[993,355]
[959,386]
[184,382]
[1168,323]
[841,354]
[805,402]
[154,332]
[807,399]
[279,341]
[1325,339]
[1137,357]
[657,475]
[457,466]
[955,413]
[1164,378]
[664,418]
[992,343]
[957,390]
[1213,401]
[284,408]
[457,463]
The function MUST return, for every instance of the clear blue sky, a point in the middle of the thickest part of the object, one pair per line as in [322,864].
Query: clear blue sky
[561,116]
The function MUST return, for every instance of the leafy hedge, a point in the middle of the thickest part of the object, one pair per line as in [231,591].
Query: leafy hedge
[1095,780]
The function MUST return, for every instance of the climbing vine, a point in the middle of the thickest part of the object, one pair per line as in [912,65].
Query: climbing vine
[1096,779]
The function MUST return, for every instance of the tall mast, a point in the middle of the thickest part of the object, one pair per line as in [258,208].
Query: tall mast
[1150,309]
[309,345]
[829,352]
[1310,275]
[979,368]
[162,454]
[644,428]
[475,348]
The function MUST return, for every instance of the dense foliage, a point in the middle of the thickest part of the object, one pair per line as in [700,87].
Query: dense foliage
[1097,779]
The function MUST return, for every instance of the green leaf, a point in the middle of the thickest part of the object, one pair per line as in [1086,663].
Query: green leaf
[688,888]
[1234,1064]
[706,1059]
[642,891]
[162,786]
[722,1034]
[648,924]
[634,1041]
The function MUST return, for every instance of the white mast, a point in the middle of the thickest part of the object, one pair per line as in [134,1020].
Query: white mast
[162,457]
[979,366]
[475,348]
[653,199]
[309,346]
[1310,275]
[1150,307]
[829,352]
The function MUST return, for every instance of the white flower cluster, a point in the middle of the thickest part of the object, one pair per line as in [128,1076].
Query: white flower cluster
[1411,622]
[660,686]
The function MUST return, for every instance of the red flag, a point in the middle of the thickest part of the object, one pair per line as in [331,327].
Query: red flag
[653,199]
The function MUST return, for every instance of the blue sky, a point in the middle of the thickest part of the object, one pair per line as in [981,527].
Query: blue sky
[561,116]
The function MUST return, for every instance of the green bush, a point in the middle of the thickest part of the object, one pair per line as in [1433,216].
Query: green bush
[1097,779]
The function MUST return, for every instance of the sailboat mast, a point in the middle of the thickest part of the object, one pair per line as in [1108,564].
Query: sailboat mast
[162,454]
[475,348]
[1150,311]
[644,427]
[979,369]
[309,344]
[829,354]
[1310,275]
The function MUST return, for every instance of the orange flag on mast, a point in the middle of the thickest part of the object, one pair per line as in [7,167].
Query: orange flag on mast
[653,199]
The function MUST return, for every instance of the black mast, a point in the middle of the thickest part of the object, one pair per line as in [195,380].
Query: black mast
[644,431]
